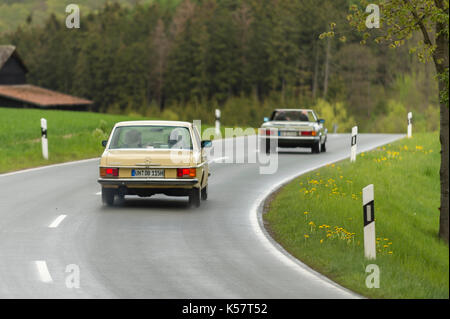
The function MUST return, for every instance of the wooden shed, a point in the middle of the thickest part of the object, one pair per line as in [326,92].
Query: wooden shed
[15,92]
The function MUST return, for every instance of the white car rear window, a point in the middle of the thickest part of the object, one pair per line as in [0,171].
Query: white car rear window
[294,115]
[151,137]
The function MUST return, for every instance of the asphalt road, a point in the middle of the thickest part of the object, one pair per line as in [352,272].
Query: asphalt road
[156,247]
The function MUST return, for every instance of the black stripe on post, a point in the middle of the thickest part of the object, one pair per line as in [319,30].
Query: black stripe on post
[353,142]
[369,213]
[44,133]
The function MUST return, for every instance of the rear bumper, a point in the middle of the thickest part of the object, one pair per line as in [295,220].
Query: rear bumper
[293,141]
[130,182]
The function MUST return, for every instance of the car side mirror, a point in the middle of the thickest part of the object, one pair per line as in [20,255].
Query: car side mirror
[266,119]
[206,143]
[104,143]
[321,121]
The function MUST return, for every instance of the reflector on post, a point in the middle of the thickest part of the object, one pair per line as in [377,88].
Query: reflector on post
[369,222]
[44,138]
[353,144]
[409,124]
[217,122]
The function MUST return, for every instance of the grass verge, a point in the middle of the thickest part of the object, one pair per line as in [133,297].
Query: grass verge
[318,219]
[71,136]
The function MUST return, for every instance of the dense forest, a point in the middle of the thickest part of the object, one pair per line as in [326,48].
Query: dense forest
[183,59]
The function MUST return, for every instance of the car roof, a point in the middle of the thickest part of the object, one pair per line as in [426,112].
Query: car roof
[161,123]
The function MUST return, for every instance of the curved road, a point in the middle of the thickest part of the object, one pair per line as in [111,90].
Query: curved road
[155,247]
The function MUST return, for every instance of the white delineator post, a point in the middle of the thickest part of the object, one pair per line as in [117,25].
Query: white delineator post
[217,122]
[369,222]
[409,124]
[353,144]
[44,138]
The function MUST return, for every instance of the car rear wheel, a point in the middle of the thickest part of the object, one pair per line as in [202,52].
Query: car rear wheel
[205,193]
[316,148]
[108,196]
[270,147]
[194,197]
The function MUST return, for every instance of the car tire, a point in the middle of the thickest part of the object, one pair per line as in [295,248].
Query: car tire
[205,193]
[316,148]
[324,147]
[194,197]
[108,196]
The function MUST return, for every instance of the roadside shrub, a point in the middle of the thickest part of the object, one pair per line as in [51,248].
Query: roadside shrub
[334,114]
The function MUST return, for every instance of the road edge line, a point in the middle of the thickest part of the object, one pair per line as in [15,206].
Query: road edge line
[33,169]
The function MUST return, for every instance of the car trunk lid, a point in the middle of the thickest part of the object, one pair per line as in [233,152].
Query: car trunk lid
[149,158]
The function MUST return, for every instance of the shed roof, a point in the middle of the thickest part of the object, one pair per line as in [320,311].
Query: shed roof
[6,51]
[40,96]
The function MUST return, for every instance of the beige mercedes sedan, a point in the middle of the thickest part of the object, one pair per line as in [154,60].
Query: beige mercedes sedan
[144,158]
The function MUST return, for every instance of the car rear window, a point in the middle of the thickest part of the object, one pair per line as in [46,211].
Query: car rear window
[151,137]
[298,116]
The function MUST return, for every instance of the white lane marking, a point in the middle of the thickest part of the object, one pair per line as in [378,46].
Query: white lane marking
[57,221]
[49,166]
[44,274]
[277,249]
[98,193]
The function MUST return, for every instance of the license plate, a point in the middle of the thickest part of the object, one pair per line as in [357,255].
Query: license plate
[147,173]
[289,133]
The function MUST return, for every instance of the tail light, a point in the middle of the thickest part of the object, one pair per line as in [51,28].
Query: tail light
[109,172]
[267,131]
[309,133]
[186,172]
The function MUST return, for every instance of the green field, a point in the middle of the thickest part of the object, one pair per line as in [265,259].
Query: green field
[318,219]
[71,136]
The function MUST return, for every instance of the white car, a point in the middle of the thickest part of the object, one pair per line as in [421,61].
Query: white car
[294,128]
